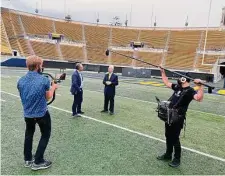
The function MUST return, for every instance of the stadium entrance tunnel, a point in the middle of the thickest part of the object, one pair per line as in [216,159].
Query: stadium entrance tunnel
[222,69]
[222,72]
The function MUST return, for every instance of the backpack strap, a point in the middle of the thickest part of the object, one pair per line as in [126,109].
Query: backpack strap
[181,97]
[185,123]
[171,97]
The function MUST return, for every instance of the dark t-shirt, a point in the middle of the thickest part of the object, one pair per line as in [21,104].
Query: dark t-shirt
[185,100]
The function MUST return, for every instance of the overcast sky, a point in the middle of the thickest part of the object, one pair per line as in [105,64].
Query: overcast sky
[169,13]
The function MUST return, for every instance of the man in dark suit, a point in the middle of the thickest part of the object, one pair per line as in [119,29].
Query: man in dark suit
[77,90]
[110,81]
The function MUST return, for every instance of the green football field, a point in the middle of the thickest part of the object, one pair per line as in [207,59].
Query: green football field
[100,144]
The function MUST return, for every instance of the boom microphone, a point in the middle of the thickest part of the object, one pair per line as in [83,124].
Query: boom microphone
[107,52]
[148,63]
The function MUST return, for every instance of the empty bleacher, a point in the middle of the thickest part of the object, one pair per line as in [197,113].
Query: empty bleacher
[5,48]
[36,25]
[24,46]
[70,30]
[154,58]
[123,36]
[45,50]
[12,27]
[182,49]
[215,40]
[208,59]
[120,60]
[97,37]
[72,53]
[154,38]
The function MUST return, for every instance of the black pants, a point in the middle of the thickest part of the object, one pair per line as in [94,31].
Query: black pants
[45,128]
[172,139]
[78,99]
[109,98]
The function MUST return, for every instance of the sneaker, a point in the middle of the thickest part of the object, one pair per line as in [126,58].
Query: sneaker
[105,111]
[175,163]
[81,112]
[46,164]
[76,115]
[164,157]
[28,163]
[111,113]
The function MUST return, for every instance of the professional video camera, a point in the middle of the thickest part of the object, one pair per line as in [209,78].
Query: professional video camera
[56,80]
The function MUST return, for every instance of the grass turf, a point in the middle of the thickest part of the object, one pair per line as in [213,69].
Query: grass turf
[82,146]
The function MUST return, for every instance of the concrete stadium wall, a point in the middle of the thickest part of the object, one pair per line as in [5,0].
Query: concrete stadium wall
[138,73]
[126,71]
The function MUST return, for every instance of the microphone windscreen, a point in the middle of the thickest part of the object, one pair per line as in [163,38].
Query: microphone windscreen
[107,52]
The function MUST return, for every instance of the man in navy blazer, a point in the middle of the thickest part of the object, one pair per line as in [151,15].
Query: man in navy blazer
[77,90]
[110,81]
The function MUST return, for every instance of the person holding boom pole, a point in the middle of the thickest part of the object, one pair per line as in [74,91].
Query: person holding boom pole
[179,102]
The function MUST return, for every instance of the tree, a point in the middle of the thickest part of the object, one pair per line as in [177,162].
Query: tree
[116,21]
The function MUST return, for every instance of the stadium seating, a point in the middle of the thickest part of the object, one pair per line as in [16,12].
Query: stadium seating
[24,46]
[208,59]
[45,50]
[5,48]
[72,53]
[215,40]
[12,28]
[70,30]
[97,37]
[182,49]
[123,36]
[120,60]
[154,58]
[36,25]
[154,38]
[181,54]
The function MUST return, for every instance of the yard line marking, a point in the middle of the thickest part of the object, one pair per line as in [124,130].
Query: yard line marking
[10,94]
[134,132]
[2,100]
[58,94]
[5,76]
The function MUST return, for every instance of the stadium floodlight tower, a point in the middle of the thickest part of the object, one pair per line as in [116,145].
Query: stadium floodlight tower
[155,23]
[126,21]
[186,22]
[36,10]
[222,23]
[97,20]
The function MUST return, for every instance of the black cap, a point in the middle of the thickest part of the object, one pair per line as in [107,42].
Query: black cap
[188,75]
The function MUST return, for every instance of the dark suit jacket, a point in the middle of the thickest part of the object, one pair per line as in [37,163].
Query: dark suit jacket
[76,83]
[110,89]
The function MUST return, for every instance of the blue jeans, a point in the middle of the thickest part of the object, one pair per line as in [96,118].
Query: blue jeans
[44,124]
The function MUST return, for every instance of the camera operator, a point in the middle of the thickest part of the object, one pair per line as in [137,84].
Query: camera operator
[35,90]
[180,100]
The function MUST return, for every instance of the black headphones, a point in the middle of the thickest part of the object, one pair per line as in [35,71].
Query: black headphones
[183,79]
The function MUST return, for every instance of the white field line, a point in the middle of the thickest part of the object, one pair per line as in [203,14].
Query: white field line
[134,132]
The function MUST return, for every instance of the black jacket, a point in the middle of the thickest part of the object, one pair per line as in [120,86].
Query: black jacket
[110,89]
